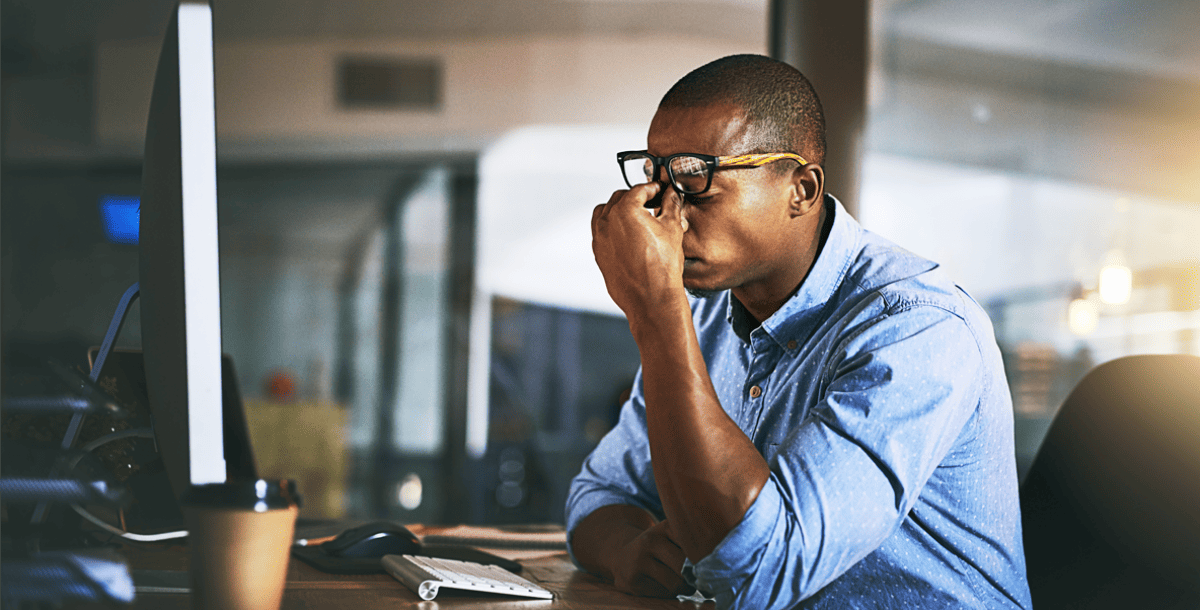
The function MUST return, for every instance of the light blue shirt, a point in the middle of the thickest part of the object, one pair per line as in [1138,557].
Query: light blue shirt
[878,398]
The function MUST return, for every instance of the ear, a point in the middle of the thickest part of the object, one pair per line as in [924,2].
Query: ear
[808,185]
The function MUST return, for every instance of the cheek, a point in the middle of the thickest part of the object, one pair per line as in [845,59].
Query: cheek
[768,215]
[704,223]
[745,222]
[719,232]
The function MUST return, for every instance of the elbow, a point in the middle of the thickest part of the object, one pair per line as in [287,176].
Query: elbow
[712,514]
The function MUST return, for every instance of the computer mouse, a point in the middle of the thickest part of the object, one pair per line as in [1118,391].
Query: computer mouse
[374,539]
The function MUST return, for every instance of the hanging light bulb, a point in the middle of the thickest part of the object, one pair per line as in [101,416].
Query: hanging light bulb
[1116,280]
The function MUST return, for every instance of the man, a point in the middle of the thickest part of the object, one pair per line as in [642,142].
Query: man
[826,424]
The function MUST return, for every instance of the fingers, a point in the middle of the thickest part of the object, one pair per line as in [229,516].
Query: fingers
[653,565]
[634,197]
[666,559]
[667,207]
[671,579]
[596,213]
[665,548]
[601,210]
[671,207]
[653,578]
[616,195]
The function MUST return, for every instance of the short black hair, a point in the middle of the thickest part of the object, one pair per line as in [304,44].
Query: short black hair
[779,102]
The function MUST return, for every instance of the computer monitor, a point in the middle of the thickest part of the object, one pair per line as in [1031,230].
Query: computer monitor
[179,260]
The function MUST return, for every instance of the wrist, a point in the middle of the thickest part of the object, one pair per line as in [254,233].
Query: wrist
[667,319]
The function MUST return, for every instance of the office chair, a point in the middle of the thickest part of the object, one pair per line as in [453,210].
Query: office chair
[1111,504]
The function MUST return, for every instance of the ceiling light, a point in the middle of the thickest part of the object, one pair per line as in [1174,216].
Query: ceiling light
[1083,315]
[1116,280]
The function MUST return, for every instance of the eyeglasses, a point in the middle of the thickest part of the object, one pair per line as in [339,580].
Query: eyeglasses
[690,173]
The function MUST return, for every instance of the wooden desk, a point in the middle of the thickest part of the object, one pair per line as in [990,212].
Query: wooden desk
[311,589]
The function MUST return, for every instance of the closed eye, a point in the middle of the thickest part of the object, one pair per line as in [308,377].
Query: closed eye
[696,199]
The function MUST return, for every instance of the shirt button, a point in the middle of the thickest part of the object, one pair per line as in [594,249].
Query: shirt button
[791,345]
[755,392]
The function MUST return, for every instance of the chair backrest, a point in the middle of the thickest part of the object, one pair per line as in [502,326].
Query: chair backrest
[1111,504]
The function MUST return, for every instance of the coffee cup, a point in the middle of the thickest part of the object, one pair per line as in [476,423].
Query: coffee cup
[239,541]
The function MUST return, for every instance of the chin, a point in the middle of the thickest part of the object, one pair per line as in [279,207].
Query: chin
[699,287]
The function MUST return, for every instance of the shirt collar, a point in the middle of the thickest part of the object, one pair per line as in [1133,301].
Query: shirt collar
[800,313]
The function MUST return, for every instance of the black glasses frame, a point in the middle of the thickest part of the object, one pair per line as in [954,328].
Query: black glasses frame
[710,163]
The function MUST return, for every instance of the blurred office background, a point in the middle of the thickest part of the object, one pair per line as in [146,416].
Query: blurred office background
[408,292]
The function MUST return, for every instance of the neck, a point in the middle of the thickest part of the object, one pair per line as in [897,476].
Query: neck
[762,299]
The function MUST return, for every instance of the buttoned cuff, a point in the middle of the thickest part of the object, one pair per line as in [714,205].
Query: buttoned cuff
[726,572]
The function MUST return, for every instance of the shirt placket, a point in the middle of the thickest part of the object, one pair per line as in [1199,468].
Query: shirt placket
[763,357]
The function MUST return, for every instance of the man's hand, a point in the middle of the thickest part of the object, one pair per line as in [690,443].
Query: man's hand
[639,250]
[651,565]
[625,544]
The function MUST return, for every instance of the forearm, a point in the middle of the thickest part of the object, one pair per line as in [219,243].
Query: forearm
[707,471]
[598,538]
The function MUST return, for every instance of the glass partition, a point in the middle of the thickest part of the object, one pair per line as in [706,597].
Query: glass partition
[1037,152]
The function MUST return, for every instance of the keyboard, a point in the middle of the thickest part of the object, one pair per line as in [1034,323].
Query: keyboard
[425,576]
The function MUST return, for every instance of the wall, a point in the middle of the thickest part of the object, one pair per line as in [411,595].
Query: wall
[279,96]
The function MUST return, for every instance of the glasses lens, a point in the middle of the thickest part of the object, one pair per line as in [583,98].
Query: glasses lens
[690,173]
[638,169]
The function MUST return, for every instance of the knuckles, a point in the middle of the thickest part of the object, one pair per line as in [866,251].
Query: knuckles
[641,572]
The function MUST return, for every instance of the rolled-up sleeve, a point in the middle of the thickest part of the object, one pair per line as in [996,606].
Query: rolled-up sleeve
[898,391]
[618,471]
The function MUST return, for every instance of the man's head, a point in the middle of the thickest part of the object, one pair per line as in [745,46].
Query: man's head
[779,102]
[756,229]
